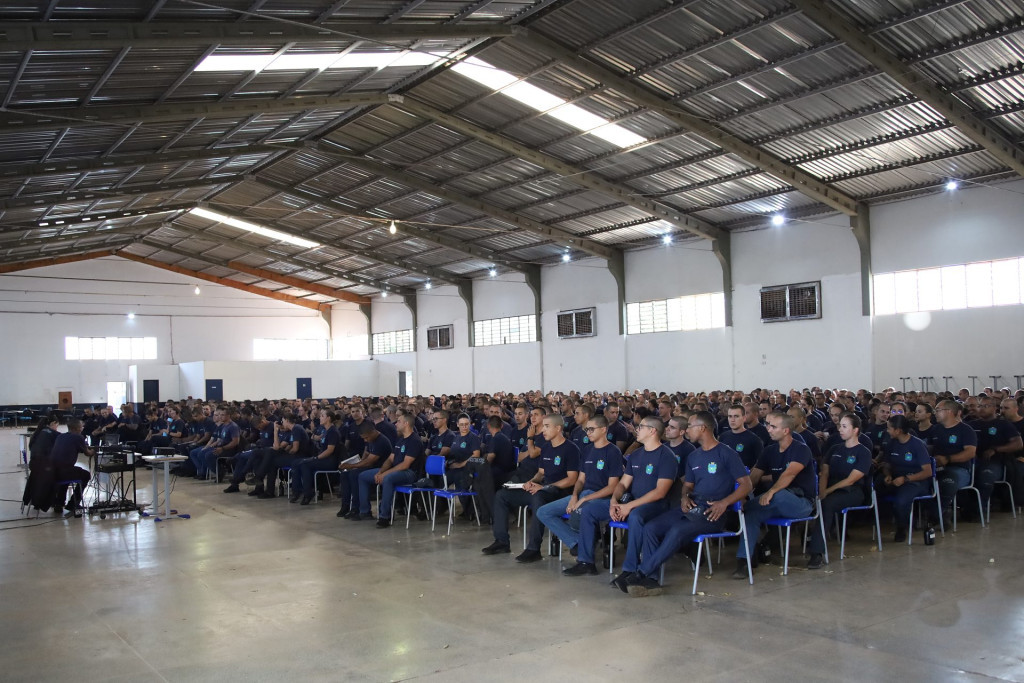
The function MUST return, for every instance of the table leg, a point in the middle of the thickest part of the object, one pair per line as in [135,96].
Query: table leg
[153,509]
[167,489]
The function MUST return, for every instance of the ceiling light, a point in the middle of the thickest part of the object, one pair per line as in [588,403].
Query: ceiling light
[565,258]
[197,290]
[131,316]
[952,185]
[384,293]
[392,228]
[427,286]
[252,227]
[492,272]
[235,63]
[778,219]
[319,60]
[667,239]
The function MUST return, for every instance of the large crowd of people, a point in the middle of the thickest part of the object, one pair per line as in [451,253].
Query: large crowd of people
[669,467]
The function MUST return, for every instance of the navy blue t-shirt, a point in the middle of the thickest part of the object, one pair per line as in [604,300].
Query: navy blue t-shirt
[992,433]
[558,461]
[952,440]
[713,473]
[355,442]
[774,462]
[600,465]
[617,432]
[681,451]
[647,467]
[441,441]
[762,433]
[297,434]
[928,435]
[845,460]
[66,449]
[407,447]
[907,458]
[504,455]
[580,438]
[463,447]
[381,447]
[388,430]
[747,445]
[330,437]
[518,437]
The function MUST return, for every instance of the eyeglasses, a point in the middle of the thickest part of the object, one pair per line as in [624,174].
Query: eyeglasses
[588,430]
[642,426]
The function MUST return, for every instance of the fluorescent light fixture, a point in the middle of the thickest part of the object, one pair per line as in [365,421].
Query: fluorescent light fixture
[952,185]
[778,219]
[541,100]
[318,60]
[252,227]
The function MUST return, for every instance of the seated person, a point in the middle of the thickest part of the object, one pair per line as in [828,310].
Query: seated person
[63,459]
[166,432]
[844,475]
[39,486]
[128,423]
[599,475]
[529,457]
[581,415]
[752,422]
[224,444]
[905,472]
[376,449]
[791,495]
[648,476]
[997,440]
[715,479]
[291,443]
[398,469]
[801,431]
[491,466]
[675,429]
[331,452]
[954,449]
[746,443]
[558,470]
[245,461]
[105,424]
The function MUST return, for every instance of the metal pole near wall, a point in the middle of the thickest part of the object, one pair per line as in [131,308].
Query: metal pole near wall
[974,384]
[904,380]
[995,381]
[1018,378]
[949,377]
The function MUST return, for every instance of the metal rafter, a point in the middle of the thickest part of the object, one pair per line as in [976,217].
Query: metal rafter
[26,120]
[49,199]
[298,283]
[54,259]
[975,128]
[97,35]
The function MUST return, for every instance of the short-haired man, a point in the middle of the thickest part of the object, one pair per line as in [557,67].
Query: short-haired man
[291,442]
[558,470]
[399,469]
[791,495]
[954,448]
[746,443]
[998,441]
[618,433]
[224,443]
[752,421]
[376,449]
[63,457]
[649,474]
[599,475]
[715,479]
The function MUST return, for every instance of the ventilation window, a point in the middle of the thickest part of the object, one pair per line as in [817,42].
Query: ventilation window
[578,323]
[439,337]
[791,302]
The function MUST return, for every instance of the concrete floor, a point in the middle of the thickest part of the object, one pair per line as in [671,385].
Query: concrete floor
[252,590]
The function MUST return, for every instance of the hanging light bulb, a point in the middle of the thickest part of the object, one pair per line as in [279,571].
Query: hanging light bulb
[392,228]
[384,293]
[197,290]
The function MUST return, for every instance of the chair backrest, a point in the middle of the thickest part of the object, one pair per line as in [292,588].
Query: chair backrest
[435,465]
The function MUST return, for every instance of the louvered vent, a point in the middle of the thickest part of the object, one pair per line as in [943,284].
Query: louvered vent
[577,323]
[800,301]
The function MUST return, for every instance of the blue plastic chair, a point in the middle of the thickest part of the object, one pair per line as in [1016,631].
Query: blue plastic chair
[878,525]
[435,467]
[316,481]
[921,499]
[410,491]
[970,487]
[787,524]
[704,540]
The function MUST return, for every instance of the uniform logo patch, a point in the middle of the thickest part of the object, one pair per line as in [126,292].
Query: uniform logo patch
[908,457]
[586,439]
[403,448]
[952,438]
[739,448]
[600,464]
[462,445]
[851,459]
[649,469]
[558,460]
[991,431]
[712,467]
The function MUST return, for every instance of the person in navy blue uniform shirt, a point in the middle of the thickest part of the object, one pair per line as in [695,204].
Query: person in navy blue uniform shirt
[559,467]
[997,440]
[245,462]
[745,442]
[529,457]
[330,452]
[845,475]
[954,449]
[924,429]
[791,495]
[715,478]
[376,449]
[599,475]
[398,469]
[63,457]
[675,431]
[649,473]
[752,421]
[905,472]
[578,436]
[290,443]
[224,444]
[618,432]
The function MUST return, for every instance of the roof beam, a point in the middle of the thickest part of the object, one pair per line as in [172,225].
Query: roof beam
[77,237]
[66,256]
[801,181]
[463,247]
[226,282]
[44,200]
[573,174]
[95,35]
[123,161]
[563,237]
[24,120]
[322,268]
[975,128]
[95,218]
[372,254]
[298,283]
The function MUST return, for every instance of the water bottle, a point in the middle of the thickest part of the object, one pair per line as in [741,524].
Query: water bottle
[929,535]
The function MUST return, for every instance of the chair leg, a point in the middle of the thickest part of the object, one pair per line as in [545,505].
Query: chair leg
[611,550]
[785,562]
[451,514]
[433,515]
[910,528]
[476,513]
[707,555]
[878,527]
[842,538]
[981,508]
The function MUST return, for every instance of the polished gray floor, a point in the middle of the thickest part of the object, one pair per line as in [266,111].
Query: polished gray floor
[262,590]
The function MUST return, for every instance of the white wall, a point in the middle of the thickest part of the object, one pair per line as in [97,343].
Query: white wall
[167,375]
[980,223]
[277,379]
